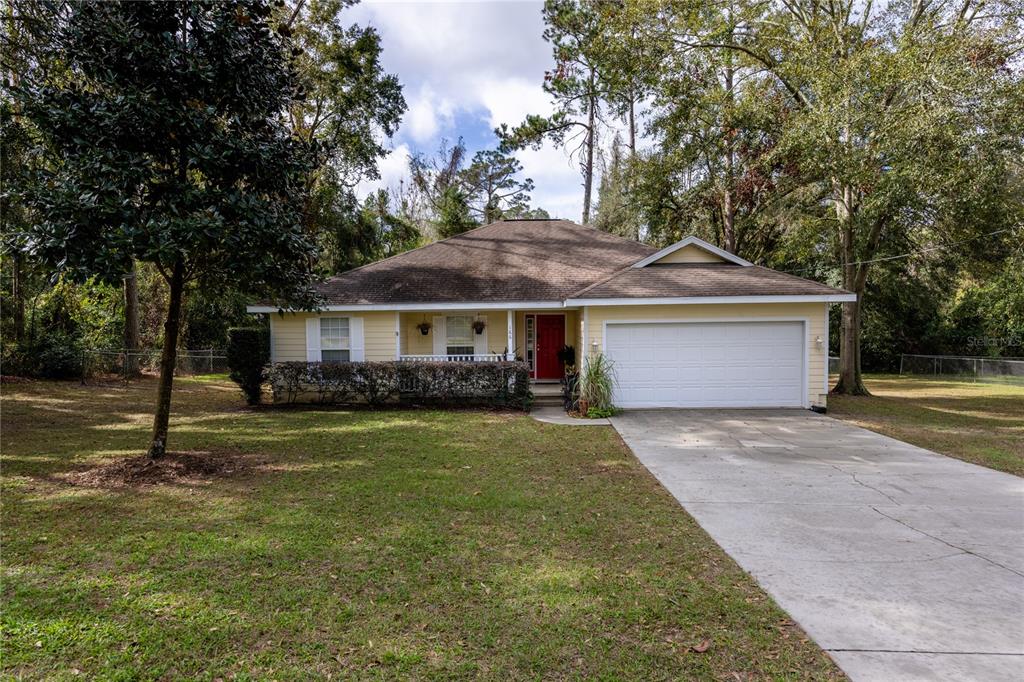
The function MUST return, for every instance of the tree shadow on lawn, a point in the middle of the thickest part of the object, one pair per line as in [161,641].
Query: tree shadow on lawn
[994,409]
[979,401]
[456,575]
[418,542]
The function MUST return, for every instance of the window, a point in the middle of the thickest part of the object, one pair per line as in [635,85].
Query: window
[460,335]
[334,339]
[530,342]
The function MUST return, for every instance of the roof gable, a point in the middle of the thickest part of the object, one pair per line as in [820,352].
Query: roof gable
[691,250]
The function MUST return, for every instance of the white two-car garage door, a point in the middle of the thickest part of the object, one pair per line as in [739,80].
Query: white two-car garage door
[707,364]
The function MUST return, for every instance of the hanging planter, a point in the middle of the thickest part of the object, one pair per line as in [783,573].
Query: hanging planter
[479,326]
[424,328]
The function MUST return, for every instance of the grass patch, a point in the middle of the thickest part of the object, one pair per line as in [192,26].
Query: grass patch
[979,422]
[422,544]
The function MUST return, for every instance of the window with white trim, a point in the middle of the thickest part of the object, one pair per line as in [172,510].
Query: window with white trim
[334,339]
[459,329]
[530,342]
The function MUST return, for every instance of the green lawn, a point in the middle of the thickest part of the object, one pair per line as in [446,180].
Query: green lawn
[979,422]
[361,544]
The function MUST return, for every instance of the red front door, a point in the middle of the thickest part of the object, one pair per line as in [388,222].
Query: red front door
[550,339]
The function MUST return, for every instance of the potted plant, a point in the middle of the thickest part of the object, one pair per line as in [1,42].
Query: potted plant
[479,326]
[567,356]
[424,328]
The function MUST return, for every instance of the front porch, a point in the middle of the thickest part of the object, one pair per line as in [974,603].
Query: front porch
[533,336]
[487,357]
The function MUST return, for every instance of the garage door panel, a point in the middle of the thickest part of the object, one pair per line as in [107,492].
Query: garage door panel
[722,364]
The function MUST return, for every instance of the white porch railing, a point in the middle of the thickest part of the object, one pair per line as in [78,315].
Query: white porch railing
[487,357]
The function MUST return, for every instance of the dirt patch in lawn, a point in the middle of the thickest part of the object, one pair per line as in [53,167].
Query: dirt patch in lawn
[194,467]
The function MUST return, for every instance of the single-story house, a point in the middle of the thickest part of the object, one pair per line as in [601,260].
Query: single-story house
[690,325]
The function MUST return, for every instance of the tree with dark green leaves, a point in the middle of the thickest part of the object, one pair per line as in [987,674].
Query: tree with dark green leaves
[493,186]
[364,232]
[526,213]
[573,28]
[163,138]
[617,205]
[393,231]
[438,181]
[893,118]
[348,107]
[453,215]
[461,197]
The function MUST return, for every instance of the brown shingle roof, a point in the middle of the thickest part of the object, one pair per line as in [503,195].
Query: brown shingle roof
[547,260]
[702,279]
[515,260]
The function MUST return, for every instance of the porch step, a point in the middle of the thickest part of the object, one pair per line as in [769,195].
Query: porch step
[546,398]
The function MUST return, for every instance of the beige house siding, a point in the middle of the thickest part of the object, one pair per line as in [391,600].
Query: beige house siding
[288,337]
[288,334]
[379,335]
[690,254]
[415,343]
[816,315]
[288,331]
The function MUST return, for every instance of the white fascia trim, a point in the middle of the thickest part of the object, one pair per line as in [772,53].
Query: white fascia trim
[501,305]
[692,241]
[699,300]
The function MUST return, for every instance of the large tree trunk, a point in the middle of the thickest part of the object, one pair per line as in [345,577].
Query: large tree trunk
[855,281]
[728,200]
[591,142]
[632,127]
[131,321]
[850,380]
[168,357]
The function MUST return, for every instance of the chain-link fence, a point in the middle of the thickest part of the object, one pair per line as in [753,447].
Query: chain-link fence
[964,367]
[127,364]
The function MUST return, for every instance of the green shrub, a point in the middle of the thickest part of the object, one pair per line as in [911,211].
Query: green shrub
[248,353]
[601,412]
[13,360]
[58,356]
[53,355]
[376,382]
[496,384]
[567,357]
[597,381]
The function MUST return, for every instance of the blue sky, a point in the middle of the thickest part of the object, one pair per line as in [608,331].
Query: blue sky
[467,67]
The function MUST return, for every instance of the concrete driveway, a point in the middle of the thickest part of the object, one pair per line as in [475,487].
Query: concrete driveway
[901,563]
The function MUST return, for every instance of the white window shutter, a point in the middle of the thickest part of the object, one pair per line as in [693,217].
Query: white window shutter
[440,332]
[356,344]
[480,340]
[312,339]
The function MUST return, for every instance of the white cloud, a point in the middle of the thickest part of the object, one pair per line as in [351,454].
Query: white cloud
[557,181]
[428,114]
[510,100]
[394,167]
[471,61]
[465,56]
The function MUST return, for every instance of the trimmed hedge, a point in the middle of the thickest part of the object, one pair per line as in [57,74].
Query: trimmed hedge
[248,352]
[497,384]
